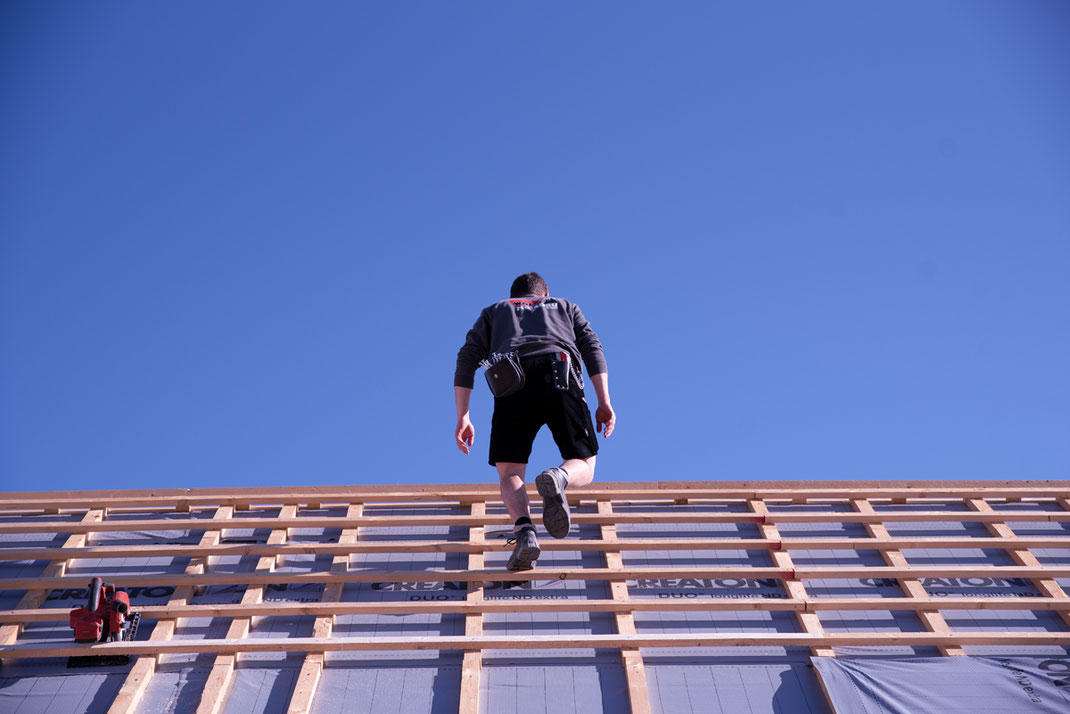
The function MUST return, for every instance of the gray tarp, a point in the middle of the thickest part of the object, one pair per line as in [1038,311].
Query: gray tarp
[944,685]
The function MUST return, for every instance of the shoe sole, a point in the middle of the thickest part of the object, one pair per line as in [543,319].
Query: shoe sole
[555,514]
[524,559]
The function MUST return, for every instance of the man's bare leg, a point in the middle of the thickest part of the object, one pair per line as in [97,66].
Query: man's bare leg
[580,471]
[551,483]
[511,482]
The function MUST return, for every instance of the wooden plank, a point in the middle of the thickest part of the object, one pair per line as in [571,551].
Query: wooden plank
[312,668]
[472,663]
[1047,587]
[808,621]
[754,603]
[647,498]
[570,544]
[419,503]
[609,574]
[137,679]
[931,619]
[668,490]
[462,643]
[655,518]
[631,658]
[57,568]
[216,689]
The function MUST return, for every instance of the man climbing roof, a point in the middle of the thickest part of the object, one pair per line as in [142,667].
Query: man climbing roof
[543,338]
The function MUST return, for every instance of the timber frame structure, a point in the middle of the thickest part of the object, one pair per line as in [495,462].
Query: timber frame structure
[343,514]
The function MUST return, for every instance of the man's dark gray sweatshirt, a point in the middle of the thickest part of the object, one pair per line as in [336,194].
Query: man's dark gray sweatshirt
[532,326]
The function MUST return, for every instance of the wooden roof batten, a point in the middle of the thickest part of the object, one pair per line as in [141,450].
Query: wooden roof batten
[80,514]
[467,493]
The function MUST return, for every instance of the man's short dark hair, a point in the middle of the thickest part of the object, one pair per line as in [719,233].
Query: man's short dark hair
[528,284]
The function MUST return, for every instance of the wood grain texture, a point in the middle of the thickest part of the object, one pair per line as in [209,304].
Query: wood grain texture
[779,517]
[617,491]
[216,689]
[809,621]
[36,594]
[138,678]
[472,663]
[932,620]
[571,544]
[261,579]
[463,607]
[537,642]
[308,677]
[1020,554]
[631,658]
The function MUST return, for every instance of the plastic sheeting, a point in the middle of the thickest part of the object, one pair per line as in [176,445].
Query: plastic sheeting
[1022,685]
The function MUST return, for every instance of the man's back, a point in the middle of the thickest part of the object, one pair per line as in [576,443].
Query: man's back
[531,325]
[548,333]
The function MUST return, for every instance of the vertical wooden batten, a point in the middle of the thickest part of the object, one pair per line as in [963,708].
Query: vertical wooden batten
[911,587]
[1047,587]
[57,568]
[312,668]
[472,664]
[137,679]
[631,658]
[795,588]
[216,689]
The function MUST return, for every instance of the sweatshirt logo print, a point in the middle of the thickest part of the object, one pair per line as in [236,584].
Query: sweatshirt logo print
[519,304]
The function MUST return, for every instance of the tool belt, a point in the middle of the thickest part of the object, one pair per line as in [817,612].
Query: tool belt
[505,372]
[561,367]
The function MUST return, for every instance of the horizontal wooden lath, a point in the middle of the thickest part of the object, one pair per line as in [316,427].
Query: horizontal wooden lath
[571,544]
[543,574]
[508,605]
[534,642]
[468,493]
[776,517]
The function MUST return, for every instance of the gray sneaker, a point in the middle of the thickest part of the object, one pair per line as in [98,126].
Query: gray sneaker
[526,551]
[555,516]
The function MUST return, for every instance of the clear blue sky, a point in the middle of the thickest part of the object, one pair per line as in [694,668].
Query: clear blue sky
[241,242]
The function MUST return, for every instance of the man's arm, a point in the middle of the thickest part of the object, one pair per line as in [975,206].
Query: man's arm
[605,417]
[475,348]
[591,350]
[587,342]
[466,433]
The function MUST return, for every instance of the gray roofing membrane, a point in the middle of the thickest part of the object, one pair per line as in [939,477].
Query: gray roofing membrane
[947,684]
[740,680]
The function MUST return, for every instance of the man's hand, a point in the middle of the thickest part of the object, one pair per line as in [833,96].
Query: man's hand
[605,418]
[465,435]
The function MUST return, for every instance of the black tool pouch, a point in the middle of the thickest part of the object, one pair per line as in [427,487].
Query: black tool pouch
[564,368]
[506,376]
[561,369]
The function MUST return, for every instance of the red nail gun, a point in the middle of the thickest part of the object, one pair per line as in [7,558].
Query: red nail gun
[108,617]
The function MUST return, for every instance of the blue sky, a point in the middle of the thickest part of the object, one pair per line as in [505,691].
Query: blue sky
[240,244]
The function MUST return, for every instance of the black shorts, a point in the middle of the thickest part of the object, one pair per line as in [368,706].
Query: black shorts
[518,417]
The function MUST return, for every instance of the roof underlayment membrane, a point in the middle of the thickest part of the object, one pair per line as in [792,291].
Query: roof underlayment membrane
[732,679]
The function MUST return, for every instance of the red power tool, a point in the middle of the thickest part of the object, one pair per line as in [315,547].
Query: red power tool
[108,617]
